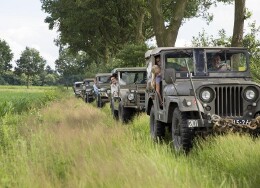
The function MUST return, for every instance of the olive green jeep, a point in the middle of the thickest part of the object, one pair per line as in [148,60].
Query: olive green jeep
[199,99]
[77,88]
[103,85]
[130,97]
[87,93]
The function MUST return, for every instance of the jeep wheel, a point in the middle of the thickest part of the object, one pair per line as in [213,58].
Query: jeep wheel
[182,136]
[99,101]
[124,114]
[157,128]
[113,111]
[87,98]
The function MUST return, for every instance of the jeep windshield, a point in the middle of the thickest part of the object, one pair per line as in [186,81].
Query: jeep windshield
[204,62]
[132,77]
[104,79]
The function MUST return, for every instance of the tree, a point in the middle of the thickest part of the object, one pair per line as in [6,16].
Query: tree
[71,66]
[6,57]
[102,26]
[30,63]
[168,16]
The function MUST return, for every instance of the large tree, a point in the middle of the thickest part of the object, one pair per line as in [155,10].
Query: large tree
[168,16]
[6,56]
[98,27]
[30,63]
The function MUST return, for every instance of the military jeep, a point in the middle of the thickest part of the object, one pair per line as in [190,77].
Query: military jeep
[130,97]
[88,94]
[103,85]
[77,88]
[199,100]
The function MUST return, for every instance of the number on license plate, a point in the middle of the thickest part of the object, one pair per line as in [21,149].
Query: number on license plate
[193,123]
[241,121]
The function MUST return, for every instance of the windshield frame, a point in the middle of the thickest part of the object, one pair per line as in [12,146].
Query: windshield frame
[205,72]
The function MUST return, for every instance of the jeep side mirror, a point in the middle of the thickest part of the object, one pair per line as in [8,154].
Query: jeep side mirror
[169,75]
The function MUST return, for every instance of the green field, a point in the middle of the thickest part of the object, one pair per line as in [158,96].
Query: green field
[69,143]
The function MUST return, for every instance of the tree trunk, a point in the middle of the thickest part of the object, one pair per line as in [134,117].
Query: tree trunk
[139,29]
[238,23]
[166,36]
[27,80]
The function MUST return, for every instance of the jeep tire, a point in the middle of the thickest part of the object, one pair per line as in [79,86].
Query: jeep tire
[182,136]
[125,114]
[113,111]
[157,128]
[99,101]
[86,98]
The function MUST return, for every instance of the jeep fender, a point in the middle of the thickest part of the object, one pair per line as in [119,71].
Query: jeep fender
[183,101]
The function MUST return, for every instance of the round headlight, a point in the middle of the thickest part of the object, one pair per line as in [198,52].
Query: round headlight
[251,93]
[131,96]
[103,89]
[206,94]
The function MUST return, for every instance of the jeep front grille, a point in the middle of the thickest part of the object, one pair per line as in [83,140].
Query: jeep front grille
[141,97]
[229,101]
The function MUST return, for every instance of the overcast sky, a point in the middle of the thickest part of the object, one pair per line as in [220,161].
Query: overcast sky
[22,24]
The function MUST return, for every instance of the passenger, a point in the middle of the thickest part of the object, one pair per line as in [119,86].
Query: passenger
[95,87]
[156,80]
[114,85]
[158,61]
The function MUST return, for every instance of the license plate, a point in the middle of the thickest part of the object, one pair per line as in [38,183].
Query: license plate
[193,123]
[241,121]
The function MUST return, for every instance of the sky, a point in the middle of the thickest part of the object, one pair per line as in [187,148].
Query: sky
[22,25]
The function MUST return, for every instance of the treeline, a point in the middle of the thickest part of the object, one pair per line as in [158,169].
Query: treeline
[97,36]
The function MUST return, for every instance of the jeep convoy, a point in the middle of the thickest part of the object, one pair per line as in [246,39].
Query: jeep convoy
[198,100]
[202,91]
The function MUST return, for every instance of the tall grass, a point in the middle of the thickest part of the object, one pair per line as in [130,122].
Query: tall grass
[73,144]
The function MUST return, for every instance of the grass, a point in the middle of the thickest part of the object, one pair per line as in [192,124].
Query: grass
[72,144]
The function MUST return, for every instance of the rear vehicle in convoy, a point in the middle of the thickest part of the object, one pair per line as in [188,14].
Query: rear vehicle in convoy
[130,97]
[103,85]
[77,88]
[199,99]
[87,93]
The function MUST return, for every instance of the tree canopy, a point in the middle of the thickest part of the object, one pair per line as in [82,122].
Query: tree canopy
[30,63]
[6,56]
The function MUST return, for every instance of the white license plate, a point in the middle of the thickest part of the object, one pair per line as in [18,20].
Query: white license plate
[241,121]
[193,123]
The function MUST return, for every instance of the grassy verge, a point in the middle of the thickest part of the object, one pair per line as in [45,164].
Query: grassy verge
[73,144]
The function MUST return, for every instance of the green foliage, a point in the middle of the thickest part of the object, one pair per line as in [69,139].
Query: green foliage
[71,64]
[132,55]
[15,101]
[5,56]
[101,29]
[30,63]
[19,102]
